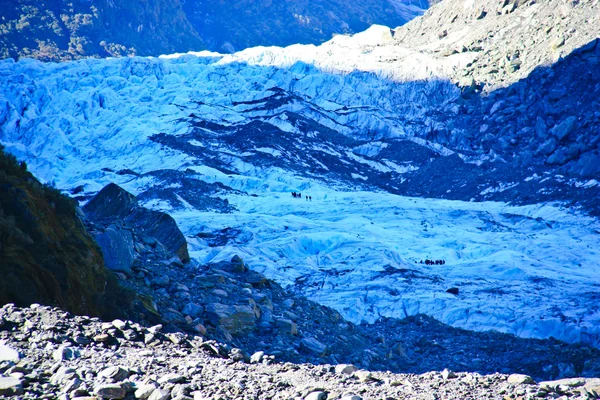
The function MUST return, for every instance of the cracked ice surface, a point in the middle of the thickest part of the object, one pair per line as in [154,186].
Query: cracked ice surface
[532,271]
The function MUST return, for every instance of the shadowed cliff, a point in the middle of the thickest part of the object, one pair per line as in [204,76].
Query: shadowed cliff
[46,254]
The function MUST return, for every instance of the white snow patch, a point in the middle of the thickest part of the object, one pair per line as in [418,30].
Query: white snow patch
[268,150]
[358,176]
[498,189]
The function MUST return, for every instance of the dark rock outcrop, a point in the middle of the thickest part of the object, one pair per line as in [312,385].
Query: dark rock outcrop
[113,203]
[46,255]
[59,30]
[117,248]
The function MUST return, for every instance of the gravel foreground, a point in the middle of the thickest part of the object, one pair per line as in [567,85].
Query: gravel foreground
[46,353]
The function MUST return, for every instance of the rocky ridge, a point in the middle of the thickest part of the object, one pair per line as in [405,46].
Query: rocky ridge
[502,42]
[48,353]
[527,70]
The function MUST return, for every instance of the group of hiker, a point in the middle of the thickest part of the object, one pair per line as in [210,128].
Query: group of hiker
[299,196]
[433,262]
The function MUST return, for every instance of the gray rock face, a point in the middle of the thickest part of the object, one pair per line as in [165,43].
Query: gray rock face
[114,203]
[7,353]
[520,379]
[235,319]
[117,248]
[110,391]
[565,128]
[65,352]
[313,346]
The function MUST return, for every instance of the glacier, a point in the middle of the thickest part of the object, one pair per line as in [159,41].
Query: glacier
[221,141]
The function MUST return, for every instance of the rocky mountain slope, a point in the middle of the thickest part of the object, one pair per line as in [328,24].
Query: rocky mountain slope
[228,27]
[358,124]
[528,102]
[47,255]
[57,30]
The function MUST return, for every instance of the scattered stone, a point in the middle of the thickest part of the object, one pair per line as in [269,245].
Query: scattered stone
[117,248]
[318,395]
[160,394]
[257,357]
[171,378]
[345,369]
[144,391]
[114,373]
[120,325]
[110,391]
[65,352]
[447,374]
[287,326]
[7,353]
[364,376]
[162,280]
[520,379]
[102,338]
[313,346]
[565,128]
[234,319]
[237,265]
[193,310]
[10,386]
[180,369]
[238,355]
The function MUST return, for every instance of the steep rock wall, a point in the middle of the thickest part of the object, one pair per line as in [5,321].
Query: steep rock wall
[46,254]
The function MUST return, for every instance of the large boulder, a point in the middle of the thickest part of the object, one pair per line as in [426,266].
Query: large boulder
[117,248]
[589,164]
[236,320]
[114,203]
[564,129]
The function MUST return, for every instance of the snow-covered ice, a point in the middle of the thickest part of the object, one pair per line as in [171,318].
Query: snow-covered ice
[533,271]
